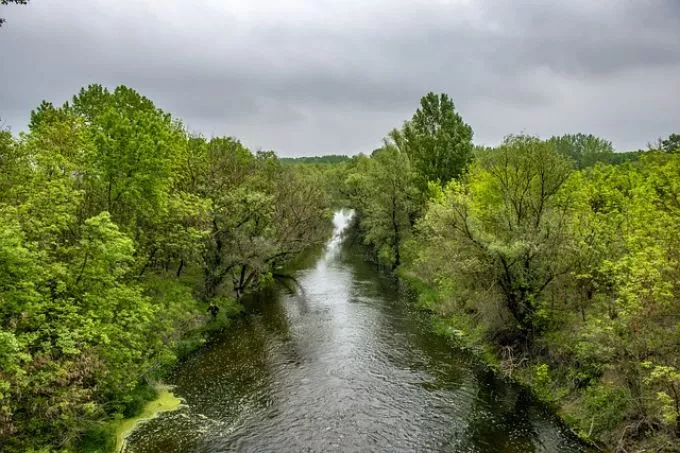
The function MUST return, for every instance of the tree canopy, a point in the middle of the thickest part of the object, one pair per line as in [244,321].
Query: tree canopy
[584,150]
[555,259]
[436,139]
[117,231]
[671,144]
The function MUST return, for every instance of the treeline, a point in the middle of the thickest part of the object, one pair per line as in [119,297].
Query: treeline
[329,159]
[119,234]
[558,266]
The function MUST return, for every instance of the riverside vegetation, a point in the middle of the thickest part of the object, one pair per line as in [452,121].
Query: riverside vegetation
[118,232]
[124,240]
[557,260]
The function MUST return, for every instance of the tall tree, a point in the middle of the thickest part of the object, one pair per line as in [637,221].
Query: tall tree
[79,329]
[437,140]
[14,168]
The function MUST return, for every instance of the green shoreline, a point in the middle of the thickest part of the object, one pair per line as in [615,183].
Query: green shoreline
[165,401]
[487,357]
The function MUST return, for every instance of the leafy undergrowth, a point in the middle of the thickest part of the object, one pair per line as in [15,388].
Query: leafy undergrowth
[599,411]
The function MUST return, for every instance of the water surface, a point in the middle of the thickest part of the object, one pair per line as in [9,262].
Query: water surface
[344,364]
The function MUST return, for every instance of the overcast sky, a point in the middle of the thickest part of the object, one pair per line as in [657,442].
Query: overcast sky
[309,77]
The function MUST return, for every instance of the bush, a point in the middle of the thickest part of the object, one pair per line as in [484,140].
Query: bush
[98,438]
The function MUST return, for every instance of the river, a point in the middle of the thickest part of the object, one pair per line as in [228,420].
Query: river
[344,364]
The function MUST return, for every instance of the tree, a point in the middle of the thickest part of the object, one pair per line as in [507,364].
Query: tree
[571,273]
[261,214]
[584,150]
[137,148]
[14,169]
[114,226]
[76,331]
[382,190]
[437,141]
[626,340]
[329,159]
[671,144]
[501,233]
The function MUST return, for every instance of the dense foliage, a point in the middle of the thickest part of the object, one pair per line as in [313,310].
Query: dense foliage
[583,150]
[437,141]
[670,144]
[117,232]
[329,159]
[557,259]
[120,234]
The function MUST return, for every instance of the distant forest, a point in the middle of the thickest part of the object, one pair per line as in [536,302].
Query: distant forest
[320,160]
[616,157]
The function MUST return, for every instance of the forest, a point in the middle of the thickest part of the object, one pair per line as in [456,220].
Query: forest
[125,241]
[555,260]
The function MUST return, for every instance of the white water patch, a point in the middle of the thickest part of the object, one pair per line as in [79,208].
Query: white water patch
[341,221]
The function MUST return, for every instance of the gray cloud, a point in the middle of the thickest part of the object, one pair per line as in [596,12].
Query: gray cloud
[604,41]
[321,76]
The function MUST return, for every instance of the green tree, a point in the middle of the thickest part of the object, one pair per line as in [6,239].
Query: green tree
[671,144]
[501,234]
[624,337]
[382,190]
[262,214]
[14,169]
[584,150]
[137,149]
[436,139]
[329,159]
[77,331]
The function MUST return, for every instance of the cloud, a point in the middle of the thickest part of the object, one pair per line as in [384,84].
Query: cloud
[321,76]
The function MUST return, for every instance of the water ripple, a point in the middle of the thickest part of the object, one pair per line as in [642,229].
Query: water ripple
[343,366]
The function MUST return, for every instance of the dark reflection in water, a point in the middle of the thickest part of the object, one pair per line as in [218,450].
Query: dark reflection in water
[344,365]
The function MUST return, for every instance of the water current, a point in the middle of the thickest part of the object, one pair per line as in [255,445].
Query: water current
[343,362]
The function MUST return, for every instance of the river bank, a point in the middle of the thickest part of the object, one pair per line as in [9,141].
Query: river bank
[152,397]
[344,363]
[522,373]
[552,389]
[165,401]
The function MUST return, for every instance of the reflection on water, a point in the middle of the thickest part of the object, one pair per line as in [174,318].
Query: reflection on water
[343,364]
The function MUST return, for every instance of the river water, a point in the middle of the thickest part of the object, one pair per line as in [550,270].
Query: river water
[343,363]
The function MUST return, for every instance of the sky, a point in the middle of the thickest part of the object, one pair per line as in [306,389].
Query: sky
[313,77]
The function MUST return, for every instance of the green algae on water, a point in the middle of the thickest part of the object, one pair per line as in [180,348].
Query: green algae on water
[166,401]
